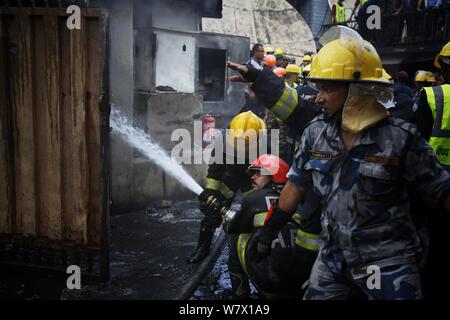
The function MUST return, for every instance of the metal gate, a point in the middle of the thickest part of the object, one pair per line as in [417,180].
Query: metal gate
[54,133]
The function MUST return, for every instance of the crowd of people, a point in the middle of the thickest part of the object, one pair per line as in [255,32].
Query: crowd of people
[403,21]
[339,11]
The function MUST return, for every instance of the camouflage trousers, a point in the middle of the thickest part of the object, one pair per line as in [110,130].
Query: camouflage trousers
[331,280]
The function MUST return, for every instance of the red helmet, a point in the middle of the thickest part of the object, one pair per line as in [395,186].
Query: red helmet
[270,60]
[270,164]
[280,72]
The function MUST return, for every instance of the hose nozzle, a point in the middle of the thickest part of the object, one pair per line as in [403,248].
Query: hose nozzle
[218,206]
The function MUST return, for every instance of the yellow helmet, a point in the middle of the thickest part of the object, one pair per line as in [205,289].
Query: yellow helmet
[243,122]
[279,51]
[348,60]
[293,68]
[346,56]
[307,57]
[424,76]
[268,50]
[387,76]
[445,53]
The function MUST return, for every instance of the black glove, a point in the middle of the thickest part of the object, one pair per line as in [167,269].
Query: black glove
[269,232]
[263,243]
[247,72]
[210,204]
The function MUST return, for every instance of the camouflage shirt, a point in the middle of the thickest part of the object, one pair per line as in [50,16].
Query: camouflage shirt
[365,217]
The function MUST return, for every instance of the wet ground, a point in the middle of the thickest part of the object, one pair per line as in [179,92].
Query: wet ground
[148,252]
[216,285]
[147,260]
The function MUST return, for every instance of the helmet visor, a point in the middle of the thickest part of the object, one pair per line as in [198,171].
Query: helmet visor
[349,39]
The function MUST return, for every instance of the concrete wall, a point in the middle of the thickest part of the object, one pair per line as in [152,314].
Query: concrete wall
[161,61]
[143,45]
[175,61]
[270,22]
[178,15]
[167,112]
[121,96]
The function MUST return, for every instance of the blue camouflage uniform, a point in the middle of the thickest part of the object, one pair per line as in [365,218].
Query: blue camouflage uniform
[365,207]
[365,219]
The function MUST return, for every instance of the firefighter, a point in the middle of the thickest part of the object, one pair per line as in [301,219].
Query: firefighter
[338,13]
[218,175]
[306,61]
[359,161]
[424,79]
[434,106]
[292,73]
[432,120]
[281,274]
[225,179]
[305,68]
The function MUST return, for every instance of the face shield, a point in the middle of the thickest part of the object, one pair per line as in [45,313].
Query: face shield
[353,60]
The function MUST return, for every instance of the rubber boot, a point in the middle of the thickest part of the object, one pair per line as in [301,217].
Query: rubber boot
[240,286]
[204,242]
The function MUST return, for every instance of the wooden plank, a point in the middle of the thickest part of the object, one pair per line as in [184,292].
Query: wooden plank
[47,128]
[93,86]
[79,156]
[5,188]
[74,171]
[66,134]
[40,100]
[24,219]
[67,149]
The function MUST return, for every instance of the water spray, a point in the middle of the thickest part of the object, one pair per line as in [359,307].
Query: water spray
[143,142]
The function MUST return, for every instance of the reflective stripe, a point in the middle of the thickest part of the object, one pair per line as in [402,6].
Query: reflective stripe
[294,85]
[307,240]
[246,193]
[438,99]
[258,219]
[226,192]
[297,217]
[213,184]
[340,13]
[241,246]
[361,2]
[286,104]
